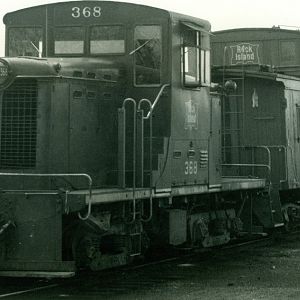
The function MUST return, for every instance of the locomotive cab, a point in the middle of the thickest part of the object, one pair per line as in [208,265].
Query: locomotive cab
[77,37]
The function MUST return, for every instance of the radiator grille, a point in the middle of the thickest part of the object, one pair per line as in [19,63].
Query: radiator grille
[19,125]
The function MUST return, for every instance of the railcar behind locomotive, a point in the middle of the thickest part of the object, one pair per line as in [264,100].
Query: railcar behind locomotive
[274,47]
[261,118]
[110,143]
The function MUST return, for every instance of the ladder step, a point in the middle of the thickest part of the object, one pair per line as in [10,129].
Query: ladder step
[232,112]
[231,130]
[134,254]
[136,243]
[234,78]
[134,234]
[276,225]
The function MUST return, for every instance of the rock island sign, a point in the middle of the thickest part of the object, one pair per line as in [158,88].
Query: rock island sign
[244,53]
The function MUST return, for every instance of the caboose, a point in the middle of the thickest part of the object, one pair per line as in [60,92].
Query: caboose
[110,142]
[261,118]
[275,47]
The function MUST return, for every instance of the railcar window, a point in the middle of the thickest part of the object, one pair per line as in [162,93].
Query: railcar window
[69,40]
[288,52]
[107,40]
[196,59]
[147,54]
[25,42]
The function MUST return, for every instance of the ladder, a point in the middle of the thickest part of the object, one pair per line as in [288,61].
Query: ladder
[137,142]
[233,105]
[136,155]
[135,240]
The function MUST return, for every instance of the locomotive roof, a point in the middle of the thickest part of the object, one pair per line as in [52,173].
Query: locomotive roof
[177,16]
[274,29]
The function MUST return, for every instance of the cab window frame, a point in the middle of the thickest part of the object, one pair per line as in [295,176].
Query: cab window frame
[57,54]
[193,39]
[135,49]
[121,25]
[38,27]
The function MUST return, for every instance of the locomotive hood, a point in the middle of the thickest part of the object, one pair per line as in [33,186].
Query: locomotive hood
[10,68]
[28,67]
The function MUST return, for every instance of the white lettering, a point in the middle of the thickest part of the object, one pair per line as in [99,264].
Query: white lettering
[3,72]
[86,12]
[190,167]
[75,12]
[244,53]
[97,11]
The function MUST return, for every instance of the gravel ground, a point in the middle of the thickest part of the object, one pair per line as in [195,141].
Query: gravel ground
[255,272]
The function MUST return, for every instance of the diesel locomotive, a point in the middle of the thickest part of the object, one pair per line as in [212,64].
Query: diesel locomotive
[111,141]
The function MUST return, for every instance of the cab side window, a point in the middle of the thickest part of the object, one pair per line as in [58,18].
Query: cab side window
[196,58]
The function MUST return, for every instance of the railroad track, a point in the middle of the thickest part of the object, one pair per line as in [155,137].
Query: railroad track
[108,280]
[32,290]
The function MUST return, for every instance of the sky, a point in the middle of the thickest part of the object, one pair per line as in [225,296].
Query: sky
[222,14]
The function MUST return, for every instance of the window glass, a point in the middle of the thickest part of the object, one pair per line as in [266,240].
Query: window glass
[191,67]
[147,54]
[69,40]
[202,63]
[196,58]
[191,58]
[25,42]
[107,39]
[207,67]
[288,52]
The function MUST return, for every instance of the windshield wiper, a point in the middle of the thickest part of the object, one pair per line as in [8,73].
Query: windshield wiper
[139,47]
[39,51]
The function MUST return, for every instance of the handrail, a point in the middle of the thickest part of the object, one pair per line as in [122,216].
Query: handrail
[251,165]
[133,153]
[88,177]
[150,154]
[148,116]
[156,100]
[267,148]
[285,157]
[253,147]
[268,166]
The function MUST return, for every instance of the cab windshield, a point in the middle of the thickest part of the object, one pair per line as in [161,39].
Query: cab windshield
[69,40]
[102,40]
[25,42]
[107,40]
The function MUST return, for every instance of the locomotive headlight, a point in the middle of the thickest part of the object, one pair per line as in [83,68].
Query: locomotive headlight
[4,73]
